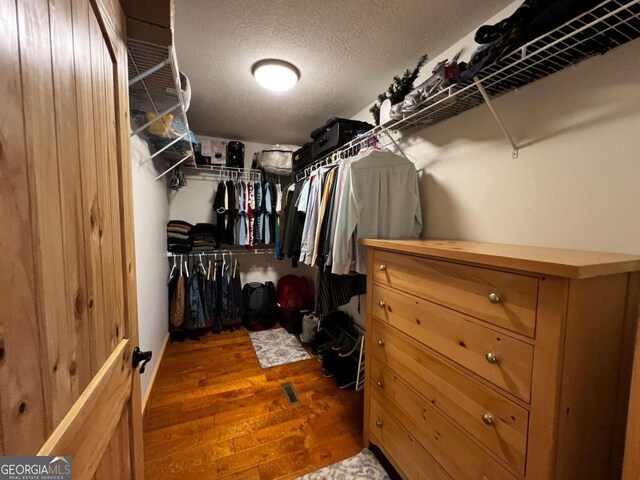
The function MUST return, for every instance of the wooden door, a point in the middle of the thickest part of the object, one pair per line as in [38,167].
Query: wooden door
[68,318]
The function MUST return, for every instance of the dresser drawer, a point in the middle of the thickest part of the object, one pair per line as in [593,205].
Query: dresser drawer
[505,299]
[404,451]
[502,360]
[460,456]
[460,397]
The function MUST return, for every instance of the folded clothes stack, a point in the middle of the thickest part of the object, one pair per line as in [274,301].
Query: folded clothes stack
[179,236]
[203,237]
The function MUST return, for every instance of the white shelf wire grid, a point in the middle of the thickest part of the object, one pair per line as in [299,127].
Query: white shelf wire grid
[604,27]
[154,86]
[610,24]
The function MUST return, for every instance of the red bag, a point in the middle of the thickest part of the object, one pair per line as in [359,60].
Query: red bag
[294,293]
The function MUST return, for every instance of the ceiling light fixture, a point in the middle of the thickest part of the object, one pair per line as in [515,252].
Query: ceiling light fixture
[275,75]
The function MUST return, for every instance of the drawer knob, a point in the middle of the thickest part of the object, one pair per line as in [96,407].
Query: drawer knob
[494,298]
[381,304]
[487,418]
[382,267]
[380,384]
[381,343]
[491,357]
[379,423]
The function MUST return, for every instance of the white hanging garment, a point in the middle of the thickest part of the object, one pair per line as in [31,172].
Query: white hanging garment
[380,199]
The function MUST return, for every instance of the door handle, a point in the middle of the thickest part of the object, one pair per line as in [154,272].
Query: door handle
[140,357]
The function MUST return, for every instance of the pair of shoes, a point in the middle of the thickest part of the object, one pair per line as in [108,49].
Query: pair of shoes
[347,376]
[320,340]
[350,347]
[343,369]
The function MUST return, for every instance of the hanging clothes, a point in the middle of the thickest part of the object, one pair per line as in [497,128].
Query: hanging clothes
[232,213]
[380,199]
[195,302]
[220,210]
[322,215]
[242,198]
[267,214]
[333,291]
[308,207]
[250,213]
[176,314]
[326,231]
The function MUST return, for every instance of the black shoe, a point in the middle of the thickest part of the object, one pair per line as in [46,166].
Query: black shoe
[320,339]
[355,346]
[327,373]
[333,344]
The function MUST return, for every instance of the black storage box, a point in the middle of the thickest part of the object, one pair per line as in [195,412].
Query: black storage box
[302,157]
[334,134]
[235,154]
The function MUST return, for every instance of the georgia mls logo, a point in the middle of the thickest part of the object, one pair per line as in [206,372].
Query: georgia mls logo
[60,466]
[35,468]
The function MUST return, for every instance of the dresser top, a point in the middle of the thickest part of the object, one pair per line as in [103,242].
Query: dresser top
[548,261]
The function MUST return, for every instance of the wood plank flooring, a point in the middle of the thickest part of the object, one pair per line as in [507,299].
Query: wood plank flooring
[215,413]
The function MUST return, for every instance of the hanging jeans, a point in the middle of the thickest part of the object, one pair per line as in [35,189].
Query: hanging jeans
[195,301]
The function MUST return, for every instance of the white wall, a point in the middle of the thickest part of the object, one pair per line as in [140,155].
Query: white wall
[576,183]
[151,213]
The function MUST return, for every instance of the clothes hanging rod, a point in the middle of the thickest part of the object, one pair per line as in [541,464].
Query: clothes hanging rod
[337,155]
[255,251]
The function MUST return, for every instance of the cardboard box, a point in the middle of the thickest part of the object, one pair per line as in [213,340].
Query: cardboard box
[149,33]
[155,12]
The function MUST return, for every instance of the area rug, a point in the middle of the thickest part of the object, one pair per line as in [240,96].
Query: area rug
[363,466]
[277,347]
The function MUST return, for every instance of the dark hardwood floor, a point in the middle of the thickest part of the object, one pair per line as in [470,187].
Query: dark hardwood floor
[214,413]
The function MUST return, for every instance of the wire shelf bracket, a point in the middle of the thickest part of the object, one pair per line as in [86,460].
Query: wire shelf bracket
[489,102]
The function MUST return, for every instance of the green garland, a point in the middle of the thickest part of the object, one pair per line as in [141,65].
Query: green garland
[399,89]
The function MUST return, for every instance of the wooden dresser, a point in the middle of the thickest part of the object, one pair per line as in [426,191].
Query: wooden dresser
[492,362]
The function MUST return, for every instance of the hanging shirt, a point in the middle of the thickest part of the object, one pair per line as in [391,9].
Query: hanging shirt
[250,207]
[279,199]
[242,236]
[322,214]
[380,199]
[220,210]
[267,214]
[339,188]
[311,220]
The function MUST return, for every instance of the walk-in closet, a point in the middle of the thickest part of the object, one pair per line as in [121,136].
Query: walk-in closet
[320,240]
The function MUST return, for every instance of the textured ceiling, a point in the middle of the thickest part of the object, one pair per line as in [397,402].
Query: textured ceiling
[347,51]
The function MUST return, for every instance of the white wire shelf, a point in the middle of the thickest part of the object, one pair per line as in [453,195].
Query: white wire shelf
[610,24]
[154,86]
[222,172]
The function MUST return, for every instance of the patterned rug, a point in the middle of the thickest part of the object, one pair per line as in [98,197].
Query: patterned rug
[277,347]
[363,466]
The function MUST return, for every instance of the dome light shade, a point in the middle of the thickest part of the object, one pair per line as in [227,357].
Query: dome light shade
[275,75]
